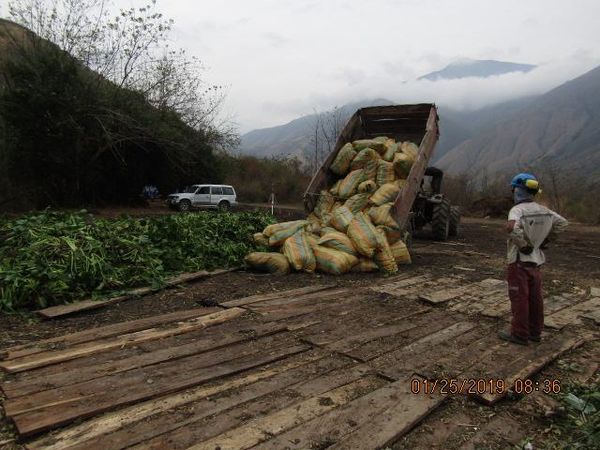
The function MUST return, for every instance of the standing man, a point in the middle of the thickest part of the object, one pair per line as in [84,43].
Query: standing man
[530,227]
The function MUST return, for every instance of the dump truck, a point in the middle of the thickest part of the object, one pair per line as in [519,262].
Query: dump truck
[421,201]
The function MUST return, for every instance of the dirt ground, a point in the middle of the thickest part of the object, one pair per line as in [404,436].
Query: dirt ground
[573,266]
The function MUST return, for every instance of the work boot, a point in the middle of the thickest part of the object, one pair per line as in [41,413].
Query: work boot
[506,336]
[535,338]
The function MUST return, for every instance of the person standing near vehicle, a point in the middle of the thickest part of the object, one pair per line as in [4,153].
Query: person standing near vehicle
[530,227]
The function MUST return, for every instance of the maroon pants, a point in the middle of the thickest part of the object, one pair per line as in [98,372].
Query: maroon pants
[527,305]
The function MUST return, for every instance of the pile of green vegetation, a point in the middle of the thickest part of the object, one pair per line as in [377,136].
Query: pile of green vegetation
[53,258]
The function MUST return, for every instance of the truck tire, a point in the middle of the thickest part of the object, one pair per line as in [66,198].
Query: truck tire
[440,221]
[184,205]
[454,230]
[224,206]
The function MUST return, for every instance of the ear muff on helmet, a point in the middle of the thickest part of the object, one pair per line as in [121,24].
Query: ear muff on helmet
[532,184]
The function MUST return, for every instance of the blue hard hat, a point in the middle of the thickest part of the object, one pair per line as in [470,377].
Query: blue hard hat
[522,179]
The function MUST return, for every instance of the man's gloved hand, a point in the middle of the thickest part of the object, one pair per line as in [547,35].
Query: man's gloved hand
[526,250]
[545,244]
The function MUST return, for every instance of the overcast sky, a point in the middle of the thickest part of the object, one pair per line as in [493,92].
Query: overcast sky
[284,58]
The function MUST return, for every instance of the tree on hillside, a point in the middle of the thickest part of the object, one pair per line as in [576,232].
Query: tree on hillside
[325,130]
[72,136]
[131,50]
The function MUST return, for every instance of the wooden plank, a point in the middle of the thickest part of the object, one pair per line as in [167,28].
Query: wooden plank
[499,309]
[333,330]
[571,315]
[102,332]
[426,324]
[193,276]
[350,343]
[555,303]
[309,300]
[525,368]
[96,397]
[201,428]
[390,288]
[392,422]
[257,430]
[335,425]
[443,295]
[126,379]
[80,350]
[279,294]
[421,353]
[86,372]
[593,315]
[86,305]
[211,336]
[349,302]
[508,361]
[105,429]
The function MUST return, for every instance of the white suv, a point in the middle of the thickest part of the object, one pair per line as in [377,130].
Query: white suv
[214,196]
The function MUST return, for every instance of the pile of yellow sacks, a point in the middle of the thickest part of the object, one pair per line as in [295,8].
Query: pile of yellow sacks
[352,227]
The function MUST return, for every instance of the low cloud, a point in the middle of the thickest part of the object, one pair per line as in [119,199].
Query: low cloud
[462,94]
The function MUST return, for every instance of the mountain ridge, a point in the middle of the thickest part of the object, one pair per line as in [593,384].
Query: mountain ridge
[561,127]
[481,68]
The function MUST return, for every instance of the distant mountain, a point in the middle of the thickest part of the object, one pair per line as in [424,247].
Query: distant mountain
[476,68]
[293,138]
[459,126]
[561,127]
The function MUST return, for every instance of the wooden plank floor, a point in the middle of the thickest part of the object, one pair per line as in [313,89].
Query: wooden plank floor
[315,367]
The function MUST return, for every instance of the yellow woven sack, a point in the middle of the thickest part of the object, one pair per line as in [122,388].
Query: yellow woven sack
[391,148]
[326,220]
[392,235]
[333,261]
[276,227]
[383,254]
[402,164]
[268,262]
[327,230]
[410,149]
[382,215]
[386,193]
[338,241]
[314,223]
[370,170]
[363,234]
[367,187]
[357,202]
[349,184]
[400,253]
[278,238]
[261,239]
[312,239]
[324,203]
[385,173]
[341,218]
[341,163]
[299,253]
[335,188]
[363,157]
[365,265]
[376,145]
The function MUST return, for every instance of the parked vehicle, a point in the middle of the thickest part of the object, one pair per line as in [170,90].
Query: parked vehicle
[204,196]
